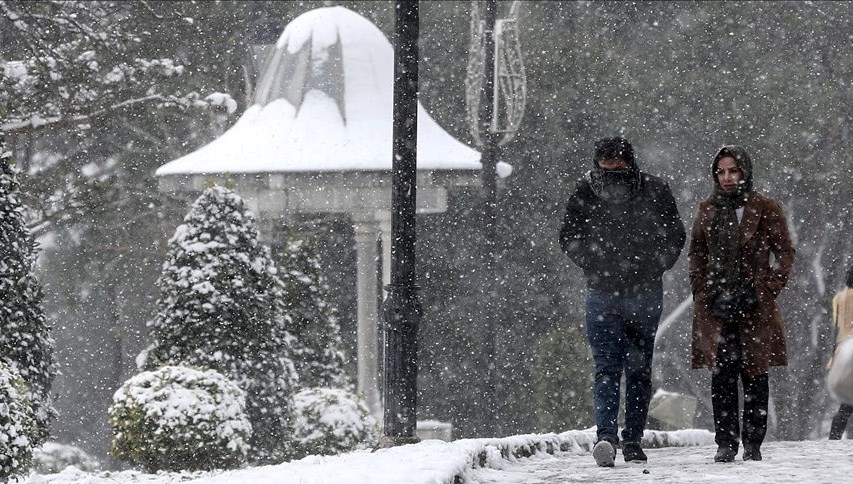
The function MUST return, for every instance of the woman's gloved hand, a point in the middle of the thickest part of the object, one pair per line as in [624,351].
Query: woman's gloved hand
[731,304]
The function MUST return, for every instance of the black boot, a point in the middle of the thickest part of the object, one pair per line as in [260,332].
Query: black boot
[725,454]
[751,452]
[632,451]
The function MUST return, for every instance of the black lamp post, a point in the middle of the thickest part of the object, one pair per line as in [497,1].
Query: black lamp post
[490,301]
[402,309]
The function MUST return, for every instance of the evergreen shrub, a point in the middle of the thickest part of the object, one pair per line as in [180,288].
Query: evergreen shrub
[179,418]
[330,421]
[311,319]
[53,457]
[17,424]
[25,342]
[220,308]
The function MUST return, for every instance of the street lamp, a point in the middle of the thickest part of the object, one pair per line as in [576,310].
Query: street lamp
[402,310]
[496,94]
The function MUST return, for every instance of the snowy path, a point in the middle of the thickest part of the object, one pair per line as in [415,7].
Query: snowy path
[802,462]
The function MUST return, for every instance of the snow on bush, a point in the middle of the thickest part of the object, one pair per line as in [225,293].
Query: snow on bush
[179,418]
[330,421]
[53,457]
[220,307]
[17,423]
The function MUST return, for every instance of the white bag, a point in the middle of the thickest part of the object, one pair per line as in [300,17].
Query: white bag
[839,380]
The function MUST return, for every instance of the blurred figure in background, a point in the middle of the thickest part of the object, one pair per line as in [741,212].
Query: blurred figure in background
[842,316]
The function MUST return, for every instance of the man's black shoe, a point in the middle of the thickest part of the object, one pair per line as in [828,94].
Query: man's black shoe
[751,452]
[632,451]
[725,454]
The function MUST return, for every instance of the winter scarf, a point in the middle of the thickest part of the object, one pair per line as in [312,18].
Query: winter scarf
[615,186]
[724,243]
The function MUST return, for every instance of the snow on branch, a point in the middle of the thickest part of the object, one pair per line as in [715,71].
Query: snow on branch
[82,61]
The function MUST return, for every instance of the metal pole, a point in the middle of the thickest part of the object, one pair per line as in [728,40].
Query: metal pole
[490,312]
[402,310]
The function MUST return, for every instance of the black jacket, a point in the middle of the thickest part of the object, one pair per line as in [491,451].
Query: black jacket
[623,245]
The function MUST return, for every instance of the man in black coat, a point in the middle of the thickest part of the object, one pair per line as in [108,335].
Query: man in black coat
[623,229]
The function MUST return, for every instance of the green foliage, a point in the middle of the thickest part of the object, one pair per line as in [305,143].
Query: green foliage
[25,342]
[563,377]
[17,425]
[312,319]
[178,418]
[330,421]
[220,308]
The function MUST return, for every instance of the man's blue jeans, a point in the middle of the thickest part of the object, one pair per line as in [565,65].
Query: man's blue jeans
[621,330]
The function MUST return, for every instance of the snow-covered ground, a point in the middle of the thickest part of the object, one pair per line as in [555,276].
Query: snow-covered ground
[801,462]
[684,456]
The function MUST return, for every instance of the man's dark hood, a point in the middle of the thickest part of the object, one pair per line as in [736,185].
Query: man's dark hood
[615,186]
[743,161]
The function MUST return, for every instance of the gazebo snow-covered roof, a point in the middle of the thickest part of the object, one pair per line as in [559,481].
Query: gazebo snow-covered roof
[324,103]
[318,139]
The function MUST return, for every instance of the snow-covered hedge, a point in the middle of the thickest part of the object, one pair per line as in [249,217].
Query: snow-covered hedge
[330,421]
[17,424]
[53,457]
[179,418]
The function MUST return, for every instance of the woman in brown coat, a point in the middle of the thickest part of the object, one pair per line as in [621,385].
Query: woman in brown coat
[737,329]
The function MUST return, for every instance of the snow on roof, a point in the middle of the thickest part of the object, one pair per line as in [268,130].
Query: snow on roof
[324,103]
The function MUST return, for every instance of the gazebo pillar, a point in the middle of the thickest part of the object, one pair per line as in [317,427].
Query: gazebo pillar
[385,230]
[366,230]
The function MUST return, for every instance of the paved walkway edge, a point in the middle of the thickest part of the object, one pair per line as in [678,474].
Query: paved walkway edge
[489,453]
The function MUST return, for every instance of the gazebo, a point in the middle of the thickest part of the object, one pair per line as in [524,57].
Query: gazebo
[318,139]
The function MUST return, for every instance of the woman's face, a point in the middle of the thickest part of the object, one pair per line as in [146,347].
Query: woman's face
[728,174]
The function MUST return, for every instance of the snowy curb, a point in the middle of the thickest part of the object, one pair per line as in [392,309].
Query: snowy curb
[435,461]
[431,461]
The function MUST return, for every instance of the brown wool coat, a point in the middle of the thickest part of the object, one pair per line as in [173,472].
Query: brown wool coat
[763,230]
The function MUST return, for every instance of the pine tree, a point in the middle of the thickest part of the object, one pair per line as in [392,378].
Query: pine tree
[313,321]
[219,308]
[25,342]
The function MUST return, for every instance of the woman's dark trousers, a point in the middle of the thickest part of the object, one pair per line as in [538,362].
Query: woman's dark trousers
[724,395]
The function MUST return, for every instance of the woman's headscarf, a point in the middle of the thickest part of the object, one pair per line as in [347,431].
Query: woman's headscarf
[725,243]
